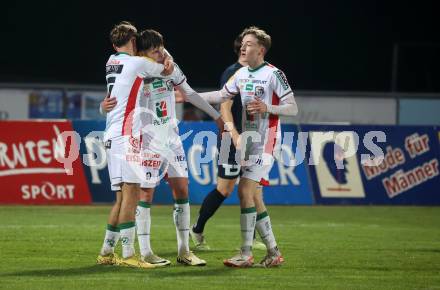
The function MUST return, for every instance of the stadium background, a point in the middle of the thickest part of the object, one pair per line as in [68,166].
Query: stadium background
[354,67]
[350,64]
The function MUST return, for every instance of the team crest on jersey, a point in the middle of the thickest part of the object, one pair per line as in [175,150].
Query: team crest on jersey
[161,109]
[170,85]
[259,91]
[135,144]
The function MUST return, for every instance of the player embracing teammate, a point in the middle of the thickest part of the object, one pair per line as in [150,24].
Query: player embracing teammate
[138,151]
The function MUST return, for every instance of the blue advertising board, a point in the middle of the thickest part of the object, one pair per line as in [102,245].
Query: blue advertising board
[289,185]
[407,172]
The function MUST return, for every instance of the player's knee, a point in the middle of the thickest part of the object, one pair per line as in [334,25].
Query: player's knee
[146,194]
[225,186]
[225,190]
[181,192]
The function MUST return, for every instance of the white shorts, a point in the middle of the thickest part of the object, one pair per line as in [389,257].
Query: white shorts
[123,161]
[167,161]
[258,160]
[257,168]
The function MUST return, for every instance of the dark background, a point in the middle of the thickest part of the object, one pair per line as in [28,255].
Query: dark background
[321,45]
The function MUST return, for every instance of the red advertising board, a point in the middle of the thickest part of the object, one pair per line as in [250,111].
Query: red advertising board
[37,166]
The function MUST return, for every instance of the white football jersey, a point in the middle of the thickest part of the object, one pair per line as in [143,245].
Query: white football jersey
[159,118]
[125,75]
[269,84]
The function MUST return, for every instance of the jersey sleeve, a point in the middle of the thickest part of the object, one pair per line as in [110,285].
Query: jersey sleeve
[177,76]
[280,85]
[149,68]
[231,86]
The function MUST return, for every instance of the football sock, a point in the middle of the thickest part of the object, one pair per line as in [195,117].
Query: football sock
[247,224]
[143,226]
[181,216]
[209,206]
[264,228]
[110,240]
[128,235]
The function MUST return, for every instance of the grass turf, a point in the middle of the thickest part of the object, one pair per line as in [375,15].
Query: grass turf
[324,247]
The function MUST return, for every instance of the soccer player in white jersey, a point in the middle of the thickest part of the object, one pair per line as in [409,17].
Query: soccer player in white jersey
[228,168]
[125,74]
[163,151]
[265,94]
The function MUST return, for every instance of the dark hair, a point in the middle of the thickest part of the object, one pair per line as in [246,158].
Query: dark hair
[237,44]
[149,38]
[261,35]
[121,33]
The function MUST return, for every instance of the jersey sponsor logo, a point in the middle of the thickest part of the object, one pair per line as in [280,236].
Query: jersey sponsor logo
[259,91]
[150,155]
[282,78]
[250,124]
[113,62]
[161,109]
[157,84]
[113,69]
[249,87]
[151,163]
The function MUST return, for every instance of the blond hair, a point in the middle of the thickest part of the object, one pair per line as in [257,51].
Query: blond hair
[262,37]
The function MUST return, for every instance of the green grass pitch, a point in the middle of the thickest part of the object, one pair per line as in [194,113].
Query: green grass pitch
[346,247]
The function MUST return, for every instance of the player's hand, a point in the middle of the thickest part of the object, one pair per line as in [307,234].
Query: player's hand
[108,104]
[256,107]
[233,133]
[168,66]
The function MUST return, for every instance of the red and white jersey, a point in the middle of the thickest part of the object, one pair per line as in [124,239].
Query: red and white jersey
[125,75]
[159,118]
[270,85]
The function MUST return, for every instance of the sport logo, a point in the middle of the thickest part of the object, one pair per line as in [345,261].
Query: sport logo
[161,109]
[110,242]
[259,91]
